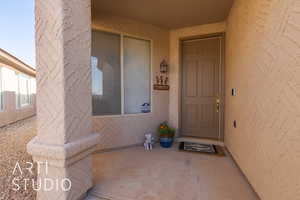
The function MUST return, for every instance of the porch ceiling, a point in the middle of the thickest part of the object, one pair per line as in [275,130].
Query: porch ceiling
[169,14]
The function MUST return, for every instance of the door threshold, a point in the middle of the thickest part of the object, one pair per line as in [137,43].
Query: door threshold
[200,140]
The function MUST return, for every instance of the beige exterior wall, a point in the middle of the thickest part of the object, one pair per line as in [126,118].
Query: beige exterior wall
[118,131]
[263,50]
[10,113]
[175,86]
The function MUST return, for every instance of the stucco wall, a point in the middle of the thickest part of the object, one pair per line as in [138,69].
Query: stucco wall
[263,51]
[175,37]
[118,131]
[10,113]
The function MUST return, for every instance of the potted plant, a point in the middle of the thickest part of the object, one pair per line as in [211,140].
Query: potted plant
[166,135]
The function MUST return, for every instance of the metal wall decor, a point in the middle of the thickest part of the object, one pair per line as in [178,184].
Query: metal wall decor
[164,67]
[162,79]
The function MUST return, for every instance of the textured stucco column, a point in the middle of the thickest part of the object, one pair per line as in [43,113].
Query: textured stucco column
[64,139]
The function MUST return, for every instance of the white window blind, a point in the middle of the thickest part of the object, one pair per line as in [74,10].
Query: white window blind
[121,74]
[136,74]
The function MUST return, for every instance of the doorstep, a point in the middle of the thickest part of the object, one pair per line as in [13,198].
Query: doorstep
[199,140]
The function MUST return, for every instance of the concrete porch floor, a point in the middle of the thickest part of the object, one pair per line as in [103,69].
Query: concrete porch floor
[167,174]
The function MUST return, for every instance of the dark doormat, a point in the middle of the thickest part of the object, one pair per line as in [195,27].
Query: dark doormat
[201,148]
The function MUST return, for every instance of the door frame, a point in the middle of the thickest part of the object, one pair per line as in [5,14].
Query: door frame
[222,80]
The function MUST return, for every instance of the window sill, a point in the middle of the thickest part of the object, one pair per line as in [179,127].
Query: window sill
[122,115]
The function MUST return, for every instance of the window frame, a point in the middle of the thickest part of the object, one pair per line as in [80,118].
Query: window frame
[122,35]
[18,97]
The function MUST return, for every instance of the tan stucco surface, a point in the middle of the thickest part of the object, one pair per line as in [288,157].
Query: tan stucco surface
[262,62]
[64,135]
[118,131]
[263,51]
[175,37]
[127,130]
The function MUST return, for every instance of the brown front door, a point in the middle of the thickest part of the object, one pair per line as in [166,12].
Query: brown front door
[201,88]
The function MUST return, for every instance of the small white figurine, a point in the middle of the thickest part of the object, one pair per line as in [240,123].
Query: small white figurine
[148,141]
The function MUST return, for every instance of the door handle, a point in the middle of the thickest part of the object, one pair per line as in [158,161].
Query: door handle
[218,105]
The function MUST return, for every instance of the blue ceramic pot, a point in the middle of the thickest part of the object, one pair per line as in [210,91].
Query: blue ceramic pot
[166,142]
